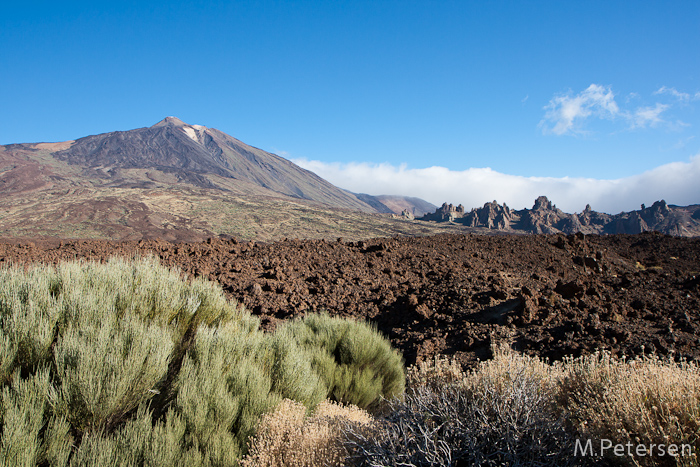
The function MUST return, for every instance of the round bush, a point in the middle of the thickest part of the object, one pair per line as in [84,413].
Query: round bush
[356,362]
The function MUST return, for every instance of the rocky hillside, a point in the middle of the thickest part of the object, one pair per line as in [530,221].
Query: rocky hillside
[453,294]
[545,217]
[406,205]
[172,151]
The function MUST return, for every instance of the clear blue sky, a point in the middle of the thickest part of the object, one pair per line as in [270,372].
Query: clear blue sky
[596,89]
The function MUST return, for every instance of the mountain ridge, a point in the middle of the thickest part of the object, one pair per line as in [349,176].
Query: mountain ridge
[545,217]
[180,181]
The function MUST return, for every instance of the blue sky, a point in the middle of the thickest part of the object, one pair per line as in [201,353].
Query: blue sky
[586,102]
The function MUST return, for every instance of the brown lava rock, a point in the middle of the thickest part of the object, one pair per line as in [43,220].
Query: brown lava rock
[549,295]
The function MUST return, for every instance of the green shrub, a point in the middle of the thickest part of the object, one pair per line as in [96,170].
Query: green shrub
[139,441]
[107,367]
[31,435]
[231,377]
[86,344]
[292,372]
[29,313]
[125,363]
[146,289]
[354,360]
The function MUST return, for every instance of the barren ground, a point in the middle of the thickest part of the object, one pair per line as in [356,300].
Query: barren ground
[452,294]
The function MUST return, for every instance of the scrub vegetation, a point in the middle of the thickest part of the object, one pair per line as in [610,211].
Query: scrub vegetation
[127,363]
[518,410]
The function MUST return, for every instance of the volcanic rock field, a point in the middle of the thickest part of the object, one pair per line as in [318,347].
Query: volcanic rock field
[549,295]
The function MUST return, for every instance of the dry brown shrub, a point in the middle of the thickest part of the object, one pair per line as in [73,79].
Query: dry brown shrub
[500,413]
[288,437]
[520,410]
[643,401]
[440,370]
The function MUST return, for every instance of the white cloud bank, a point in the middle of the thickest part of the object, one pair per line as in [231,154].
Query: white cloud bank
[676,182]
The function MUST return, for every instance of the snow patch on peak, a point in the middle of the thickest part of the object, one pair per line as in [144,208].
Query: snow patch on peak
[189,131]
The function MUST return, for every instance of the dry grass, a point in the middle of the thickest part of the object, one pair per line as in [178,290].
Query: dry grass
[519,410]
[192,214]
[643,402]
[288,437]
[439,371]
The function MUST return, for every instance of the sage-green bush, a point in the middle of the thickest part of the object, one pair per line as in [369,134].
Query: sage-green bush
[108,367]
[29,314]
[126,363]
[357,364]
[231,377]
[24,413]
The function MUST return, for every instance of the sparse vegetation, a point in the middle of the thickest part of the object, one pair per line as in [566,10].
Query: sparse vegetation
[288,437]
[518,410]
[499,414]
[645,401]
[126,363]
[191,214]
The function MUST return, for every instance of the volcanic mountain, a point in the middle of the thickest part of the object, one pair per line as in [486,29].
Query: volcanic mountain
[178,181]
[173,151]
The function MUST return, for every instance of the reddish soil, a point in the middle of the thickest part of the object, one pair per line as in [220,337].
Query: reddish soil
[454,294]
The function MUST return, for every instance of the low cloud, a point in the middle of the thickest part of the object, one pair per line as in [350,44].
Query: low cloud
[675,182]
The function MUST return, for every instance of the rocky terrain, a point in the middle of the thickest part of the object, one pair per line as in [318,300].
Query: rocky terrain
[551,295]
[545,217]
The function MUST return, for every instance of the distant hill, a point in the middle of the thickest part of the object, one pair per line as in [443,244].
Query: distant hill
[184,182]
[545,217]
[398,204]
[415,206]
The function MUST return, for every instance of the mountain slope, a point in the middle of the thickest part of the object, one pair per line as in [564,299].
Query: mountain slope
[172,151]
[177,182]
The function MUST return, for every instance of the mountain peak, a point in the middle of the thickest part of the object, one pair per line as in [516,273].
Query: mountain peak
[167,121]
[174,152]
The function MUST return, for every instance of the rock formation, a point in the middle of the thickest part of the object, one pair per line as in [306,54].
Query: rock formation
[446,213]
[545,217]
